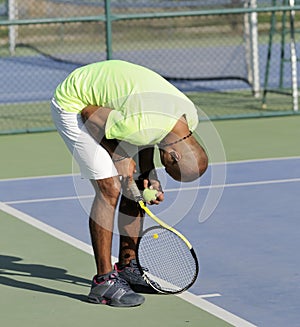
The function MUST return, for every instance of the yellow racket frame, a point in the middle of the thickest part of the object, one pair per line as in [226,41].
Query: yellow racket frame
[139,199]
[163,224]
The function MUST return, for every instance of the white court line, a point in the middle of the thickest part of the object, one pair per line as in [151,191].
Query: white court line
[261,160]
[46,228]
[274,181]
[211,164]
[196,300]
[256,160]
[206,296]
[64,198]
[36,177]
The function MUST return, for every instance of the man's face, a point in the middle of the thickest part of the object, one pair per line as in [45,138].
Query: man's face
[170,163]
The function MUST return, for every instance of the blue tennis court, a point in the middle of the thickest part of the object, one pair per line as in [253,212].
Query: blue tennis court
[248,247]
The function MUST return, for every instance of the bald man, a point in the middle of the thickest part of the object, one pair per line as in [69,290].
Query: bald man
[111,115]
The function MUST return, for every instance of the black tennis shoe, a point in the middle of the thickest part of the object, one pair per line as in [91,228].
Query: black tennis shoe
[112,290]
[133,277]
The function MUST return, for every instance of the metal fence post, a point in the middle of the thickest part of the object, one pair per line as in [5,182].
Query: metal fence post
[108,27]
[12,30]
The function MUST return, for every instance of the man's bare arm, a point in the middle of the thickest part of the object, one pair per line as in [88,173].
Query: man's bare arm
[95,118]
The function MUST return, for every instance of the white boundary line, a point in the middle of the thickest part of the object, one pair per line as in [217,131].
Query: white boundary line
[206,296]
[65,198]
[196,300]
[36,177]
[256,160]
[46,228]
[211,164]
[274,181]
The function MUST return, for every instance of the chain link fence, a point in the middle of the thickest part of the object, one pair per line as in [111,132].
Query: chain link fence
[214,51]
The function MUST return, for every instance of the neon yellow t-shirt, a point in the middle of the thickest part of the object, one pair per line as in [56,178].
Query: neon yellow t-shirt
[146,106]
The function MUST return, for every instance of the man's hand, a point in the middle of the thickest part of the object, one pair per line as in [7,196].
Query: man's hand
[154,184]
[126,168]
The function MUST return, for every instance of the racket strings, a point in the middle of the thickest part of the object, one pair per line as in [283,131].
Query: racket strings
[167,259]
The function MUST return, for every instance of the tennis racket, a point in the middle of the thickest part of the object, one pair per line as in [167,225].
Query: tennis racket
[165,258]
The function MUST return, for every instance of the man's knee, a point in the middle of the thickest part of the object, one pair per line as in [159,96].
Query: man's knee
[108,189]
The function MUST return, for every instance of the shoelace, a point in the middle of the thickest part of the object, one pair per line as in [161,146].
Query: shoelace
[136,269]
[120,282]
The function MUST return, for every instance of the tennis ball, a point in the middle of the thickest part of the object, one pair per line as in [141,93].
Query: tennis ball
[155,236]
[149,195]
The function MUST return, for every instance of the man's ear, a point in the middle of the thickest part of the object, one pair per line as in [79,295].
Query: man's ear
[175,155]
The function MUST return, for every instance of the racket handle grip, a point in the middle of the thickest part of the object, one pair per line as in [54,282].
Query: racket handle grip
[135,192]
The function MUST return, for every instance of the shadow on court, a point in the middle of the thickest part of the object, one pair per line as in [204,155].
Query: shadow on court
[11,267]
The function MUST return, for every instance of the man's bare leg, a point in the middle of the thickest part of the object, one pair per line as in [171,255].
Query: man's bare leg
[107,288]
[131,220]
[130,225]
[102,221]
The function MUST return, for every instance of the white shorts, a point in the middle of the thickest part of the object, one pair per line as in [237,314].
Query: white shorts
[93,160]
